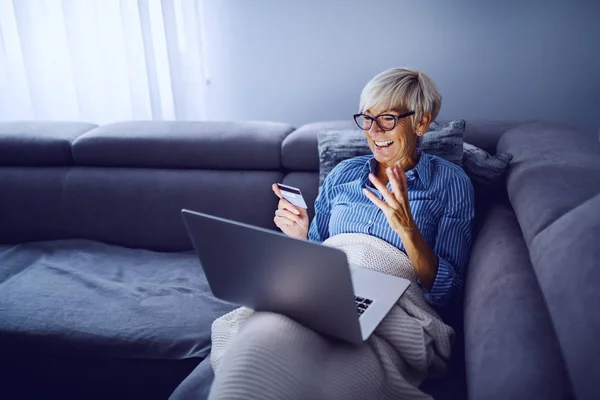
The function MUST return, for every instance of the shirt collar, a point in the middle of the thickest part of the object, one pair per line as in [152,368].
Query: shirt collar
[422,170]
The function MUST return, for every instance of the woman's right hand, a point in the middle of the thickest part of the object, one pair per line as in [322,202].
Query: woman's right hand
[292,220]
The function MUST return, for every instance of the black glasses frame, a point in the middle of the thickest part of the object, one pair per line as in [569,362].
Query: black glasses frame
[376,119]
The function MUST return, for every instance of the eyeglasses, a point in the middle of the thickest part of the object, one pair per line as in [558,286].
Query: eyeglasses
[386,122]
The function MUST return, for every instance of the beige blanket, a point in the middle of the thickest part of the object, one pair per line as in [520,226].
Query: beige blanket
[266,356]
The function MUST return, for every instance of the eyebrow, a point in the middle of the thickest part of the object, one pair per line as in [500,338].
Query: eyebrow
[385,112]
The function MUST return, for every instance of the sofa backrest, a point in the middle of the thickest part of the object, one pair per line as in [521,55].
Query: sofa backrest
[126,183]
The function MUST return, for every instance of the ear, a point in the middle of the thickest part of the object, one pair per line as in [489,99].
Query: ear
[423,125]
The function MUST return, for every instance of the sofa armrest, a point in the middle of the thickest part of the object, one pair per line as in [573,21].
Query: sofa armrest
[554,169]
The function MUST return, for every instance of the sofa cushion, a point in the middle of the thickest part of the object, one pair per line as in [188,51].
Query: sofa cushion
[39,143]
[136,207]
[511,347]
[31,204]
[335,146]
[300,148]
[486,133]
[87,299]
[445,140]
[132,207]
[566,259]
[184,144]
[484,168]
[554,169]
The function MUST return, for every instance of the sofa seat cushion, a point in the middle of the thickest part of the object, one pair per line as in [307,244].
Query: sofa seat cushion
[184,144]
[29,143]
[84,298]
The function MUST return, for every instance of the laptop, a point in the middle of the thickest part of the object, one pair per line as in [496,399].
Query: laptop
[309,282]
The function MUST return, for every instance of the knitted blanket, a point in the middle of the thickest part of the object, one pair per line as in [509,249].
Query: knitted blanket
[269,356]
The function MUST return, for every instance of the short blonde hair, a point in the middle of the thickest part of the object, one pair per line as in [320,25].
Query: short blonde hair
[402,88]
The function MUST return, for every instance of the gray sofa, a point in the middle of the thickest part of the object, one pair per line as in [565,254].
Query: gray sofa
[101,295]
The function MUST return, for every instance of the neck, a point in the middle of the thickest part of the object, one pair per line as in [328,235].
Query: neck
[407,161]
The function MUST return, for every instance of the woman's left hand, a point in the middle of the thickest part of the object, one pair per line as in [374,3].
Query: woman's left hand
[396,207]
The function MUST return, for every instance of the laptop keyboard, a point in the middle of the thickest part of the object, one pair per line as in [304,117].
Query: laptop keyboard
[362,304]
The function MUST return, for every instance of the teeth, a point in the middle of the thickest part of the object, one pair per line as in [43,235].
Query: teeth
[383,144]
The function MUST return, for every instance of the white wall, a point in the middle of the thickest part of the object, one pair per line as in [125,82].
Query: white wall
[300,61]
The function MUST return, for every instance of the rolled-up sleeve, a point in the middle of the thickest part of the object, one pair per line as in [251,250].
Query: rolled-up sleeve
[453,241]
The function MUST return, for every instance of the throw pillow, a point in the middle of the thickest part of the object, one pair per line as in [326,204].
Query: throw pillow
[484,168]
[335,146]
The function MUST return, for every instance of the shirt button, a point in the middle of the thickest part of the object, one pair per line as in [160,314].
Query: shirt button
[370,221]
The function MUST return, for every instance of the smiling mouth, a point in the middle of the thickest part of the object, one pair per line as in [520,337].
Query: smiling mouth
[380,145]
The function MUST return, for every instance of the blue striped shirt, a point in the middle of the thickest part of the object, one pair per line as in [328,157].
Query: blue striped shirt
[441,201]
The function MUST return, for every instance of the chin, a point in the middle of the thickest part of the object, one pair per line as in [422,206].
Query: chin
[388,161]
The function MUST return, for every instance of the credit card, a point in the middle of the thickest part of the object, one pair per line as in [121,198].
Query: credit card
[292,194]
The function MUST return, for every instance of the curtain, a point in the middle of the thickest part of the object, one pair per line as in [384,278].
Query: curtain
[101,61]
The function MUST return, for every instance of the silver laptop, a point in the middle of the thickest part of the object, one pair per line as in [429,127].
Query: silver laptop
[311,283]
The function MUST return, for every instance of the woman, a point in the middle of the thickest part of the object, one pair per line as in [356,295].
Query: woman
[402,199]
[417,202]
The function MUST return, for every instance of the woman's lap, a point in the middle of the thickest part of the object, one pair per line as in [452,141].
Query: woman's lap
[273,357]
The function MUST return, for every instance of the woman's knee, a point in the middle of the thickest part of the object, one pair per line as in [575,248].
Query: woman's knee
[269,323]
[278,331]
